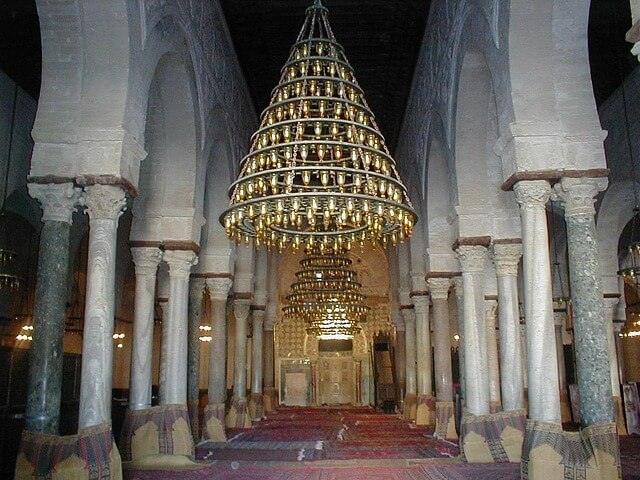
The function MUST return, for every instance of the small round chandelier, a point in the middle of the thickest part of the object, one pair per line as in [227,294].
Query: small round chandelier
[318,170]
[326,296]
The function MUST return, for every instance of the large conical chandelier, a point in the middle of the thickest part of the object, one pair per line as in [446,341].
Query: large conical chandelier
[318,170]
[326,296]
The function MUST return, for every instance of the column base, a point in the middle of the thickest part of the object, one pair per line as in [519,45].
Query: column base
[619,411]
[495,407]
[162,430]
[493,438]
[445,421]
[256,406]
[426,410]
[238,416]
[410,406]
[565,407]
[90,454]
[213,428]
[194,418]
[270,400]
[592,453]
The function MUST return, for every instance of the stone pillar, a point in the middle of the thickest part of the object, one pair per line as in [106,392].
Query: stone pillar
[610,304]
[175,328]
[458,291]
[213,428]
[256,404]
[410,398]
[145,261]
[472,260]
[589,328]
[105,204]
[506,257]
[445,411]
[270,397]
[238,416]
[542,362]
[490,313]
[45,370]
[426,407]
[565,407]
[400,362]
[196,292]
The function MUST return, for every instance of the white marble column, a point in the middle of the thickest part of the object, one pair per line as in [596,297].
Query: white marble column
[175,328]
[458,292]
[506,257]
[256,405]
[213,428]
[268,382]
[473,259]
[145,261]
[105,204]
[490,318]
[410,397]
[238,416]
[542,362]
[577,196]
[425,412]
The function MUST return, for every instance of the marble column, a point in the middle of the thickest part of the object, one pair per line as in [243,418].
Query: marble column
[610,304]
[58,202]
[268,348]
[473,259]
[214,414]
[458,292]
[175,328]
[400,362]
[105,204]
[542,362]
[238,416]
[565,408]
[196,292]
[256,404]
[506,257]
[410,397]
[145,261]
[425,410]
[490,314]
[589,328]
[445,418]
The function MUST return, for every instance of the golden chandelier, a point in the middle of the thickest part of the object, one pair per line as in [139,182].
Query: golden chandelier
[318,170]
[326,296]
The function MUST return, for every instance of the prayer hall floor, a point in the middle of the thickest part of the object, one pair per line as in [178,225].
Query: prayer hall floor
[326,443]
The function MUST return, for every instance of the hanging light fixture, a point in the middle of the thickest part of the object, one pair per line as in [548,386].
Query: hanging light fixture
[318,170]
[9,279]
[326,296]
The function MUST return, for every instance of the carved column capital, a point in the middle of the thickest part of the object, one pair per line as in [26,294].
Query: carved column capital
[577,195]
[241,308]
[409,316]
[219,288]
[420,304]
[506,258]
[146,260]
[532,193]
[180,263]
[472,258]
[196,288]
[58,201]
[104,202]
[439,288]
[611,303]
[457,286]
[559,318]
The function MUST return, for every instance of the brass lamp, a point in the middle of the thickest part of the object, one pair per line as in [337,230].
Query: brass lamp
[318,171]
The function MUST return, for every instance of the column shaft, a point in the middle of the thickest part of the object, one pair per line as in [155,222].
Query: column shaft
[45,369]
[544,398]
[105,204]
[458,289]
[424,365]
[439,288]
[410,357]
[146,261]
[256,352]
[196,291]
[241,311]
[491,307]
[217,389]
[267,358]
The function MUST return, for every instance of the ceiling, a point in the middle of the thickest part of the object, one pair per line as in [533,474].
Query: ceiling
[381,38]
